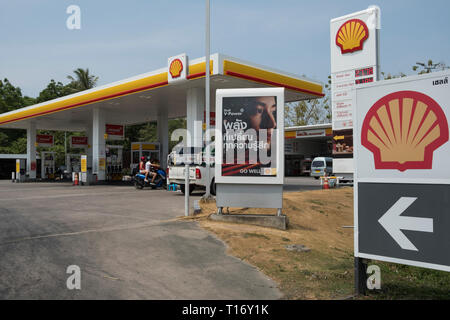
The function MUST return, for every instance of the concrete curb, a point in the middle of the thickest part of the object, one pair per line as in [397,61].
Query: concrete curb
[271,221]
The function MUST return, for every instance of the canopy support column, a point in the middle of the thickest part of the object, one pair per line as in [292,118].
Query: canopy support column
[98,144]
[195,108]
[163,136]
[31,150]
[89,133]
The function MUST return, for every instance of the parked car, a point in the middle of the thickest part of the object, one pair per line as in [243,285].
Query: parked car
[320,166]
[197,169]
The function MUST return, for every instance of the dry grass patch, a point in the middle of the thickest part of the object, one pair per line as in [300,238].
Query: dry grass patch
[315,221]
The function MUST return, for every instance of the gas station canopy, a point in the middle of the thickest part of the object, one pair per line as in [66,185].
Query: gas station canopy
[141,98]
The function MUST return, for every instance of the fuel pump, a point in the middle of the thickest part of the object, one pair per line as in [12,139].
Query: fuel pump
[73,162]
[114,162]
[48,165]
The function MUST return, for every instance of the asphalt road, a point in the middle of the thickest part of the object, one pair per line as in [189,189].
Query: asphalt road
[126,242]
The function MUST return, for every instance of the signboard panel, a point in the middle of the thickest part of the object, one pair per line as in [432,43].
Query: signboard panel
[78,142]
[353,40]
[310,133]
[101,164]
[84,163]
[114,132]
[44,140]
[354,60]
[416,90]
[410,229]
[177,68]
[402,185]
[250,127]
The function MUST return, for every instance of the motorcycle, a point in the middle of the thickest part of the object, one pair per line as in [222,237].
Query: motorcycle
[160,180]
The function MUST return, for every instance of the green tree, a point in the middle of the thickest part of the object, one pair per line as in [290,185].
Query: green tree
[12,140]
[11,97]
[308,112]
[388,76]
[82,80]
[55,90]
[148,132]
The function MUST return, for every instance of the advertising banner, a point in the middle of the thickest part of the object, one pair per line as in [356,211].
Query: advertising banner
[84,163]
[114,132]
[101,164]
[250,145]
[212,118]
[44,140]
[78,142]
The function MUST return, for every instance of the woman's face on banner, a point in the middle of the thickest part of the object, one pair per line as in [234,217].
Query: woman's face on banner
[264,118]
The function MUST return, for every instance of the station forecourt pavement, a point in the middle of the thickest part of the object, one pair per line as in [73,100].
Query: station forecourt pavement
[128,243]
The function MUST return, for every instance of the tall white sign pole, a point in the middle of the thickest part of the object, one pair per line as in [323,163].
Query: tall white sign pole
[354,48]
[207,100]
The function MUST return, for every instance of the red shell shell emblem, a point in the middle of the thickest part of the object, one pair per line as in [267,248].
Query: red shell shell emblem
[403,129]
[176,67]
[351,36]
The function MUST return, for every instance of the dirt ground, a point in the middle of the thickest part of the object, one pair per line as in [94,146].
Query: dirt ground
[316,221]
[320,224]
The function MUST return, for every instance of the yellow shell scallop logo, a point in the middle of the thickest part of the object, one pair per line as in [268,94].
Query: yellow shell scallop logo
[403,129]
[351,36]
[176,67]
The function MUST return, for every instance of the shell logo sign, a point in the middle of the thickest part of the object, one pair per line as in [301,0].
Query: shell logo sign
[403,129]
[351,36]
[176,67]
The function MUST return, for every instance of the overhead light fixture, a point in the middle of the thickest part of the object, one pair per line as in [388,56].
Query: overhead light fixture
[145,97]
[222,80]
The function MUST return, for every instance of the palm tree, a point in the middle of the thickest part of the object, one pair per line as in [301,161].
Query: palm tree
[83,80]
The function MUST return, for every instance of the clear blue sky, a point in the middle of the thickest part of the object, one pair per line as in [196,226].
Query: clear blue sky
[119,39]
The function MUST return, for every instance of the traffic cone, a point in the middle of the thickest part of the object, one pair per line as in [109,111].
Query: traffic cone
[75,180]
[325,183]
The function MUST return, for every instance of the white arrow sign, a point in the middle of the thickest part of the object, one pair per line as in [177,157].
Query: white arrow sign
[392,222]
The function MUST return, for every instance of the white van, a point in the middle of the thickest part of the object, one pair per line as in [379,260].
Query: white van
[320,165]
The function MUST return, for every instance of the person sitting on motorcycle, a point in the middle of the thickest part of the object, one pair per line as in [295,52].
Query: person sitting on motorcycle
[142,166]
[155,165]
[148,168]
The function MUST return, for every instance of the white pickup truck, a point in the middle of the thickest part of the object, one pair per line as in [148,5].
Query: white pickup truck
[197,170]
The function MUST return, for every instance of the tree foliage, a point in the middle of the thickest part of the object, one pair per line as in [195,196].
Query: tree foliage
[12,140]
[308,112]
[429,67]
[82,80]
[55,90]
[148,132]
